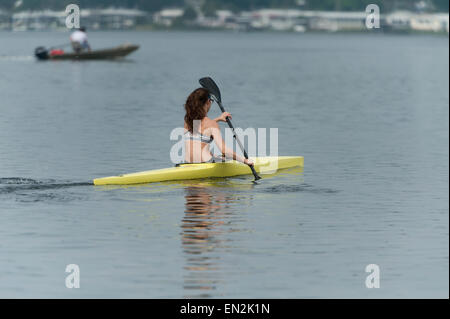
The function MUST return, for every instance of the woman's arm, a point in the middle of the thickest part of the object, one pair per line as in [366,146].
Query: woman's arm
[223,117]
[229,153]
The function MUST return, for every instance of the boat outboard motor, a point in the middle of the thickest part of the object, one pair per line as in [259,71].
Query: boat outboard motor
[41,53]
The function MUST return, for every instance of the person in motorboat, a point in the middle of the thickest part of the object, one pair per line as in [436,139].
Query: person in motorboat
[79,41]
[200,131]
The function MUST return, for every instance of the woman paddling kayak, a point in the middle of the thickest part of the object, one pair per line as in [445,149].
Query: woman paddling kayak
[200,131]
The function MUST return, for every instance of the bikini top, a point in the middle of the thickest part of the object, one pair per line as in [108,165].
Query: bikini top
[199,137]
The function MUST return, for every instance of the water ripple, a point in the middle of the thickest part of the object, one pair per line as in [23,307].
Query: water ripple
[298,189]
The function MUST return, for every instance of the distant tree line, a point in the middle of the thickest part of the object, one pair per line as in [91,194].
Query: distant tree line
[234,5]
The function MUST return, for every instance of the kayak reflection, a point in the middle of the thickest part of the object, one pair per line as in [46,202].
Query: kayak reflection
[210,213]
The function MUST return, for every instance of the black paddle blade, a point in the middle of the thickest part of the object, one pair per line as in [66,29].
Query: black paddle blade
[211,86]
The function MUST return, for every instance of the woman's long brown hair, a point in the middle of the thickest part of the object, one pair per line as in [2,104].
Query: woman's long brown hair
[195,107]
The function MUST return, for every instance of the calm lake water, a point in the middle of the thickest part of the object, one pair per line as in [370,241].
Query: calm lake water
[370,114]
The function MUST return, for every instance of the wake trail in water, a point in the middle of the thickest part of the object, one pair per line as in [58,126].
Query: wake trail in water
[17,184]
[16,58]
[306,188]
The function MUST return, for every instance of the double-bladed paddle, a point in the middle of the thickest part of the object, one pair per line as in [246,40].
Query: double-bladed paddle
[214,91]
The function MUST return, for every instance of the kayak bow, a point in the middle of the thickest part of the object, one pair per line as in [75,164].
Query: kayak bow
[203,170]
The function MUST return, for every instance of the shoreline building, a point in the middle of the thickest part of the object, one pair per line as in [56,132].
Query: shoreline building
[95,19]
[430,22]
[112,18]
[5,20]
[406,21]
[166,17]
[302,20]
[38,20]
[337,21]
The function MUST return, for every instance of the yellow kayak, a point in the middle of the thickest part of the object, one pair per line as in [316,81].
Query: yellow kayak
[263,165]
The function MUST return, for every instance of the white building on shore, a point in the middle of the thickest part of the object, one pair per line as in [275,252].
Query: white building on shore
[336,21]
[5,20]
[166,17]
[111,18]
[430,22]
[421,22]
